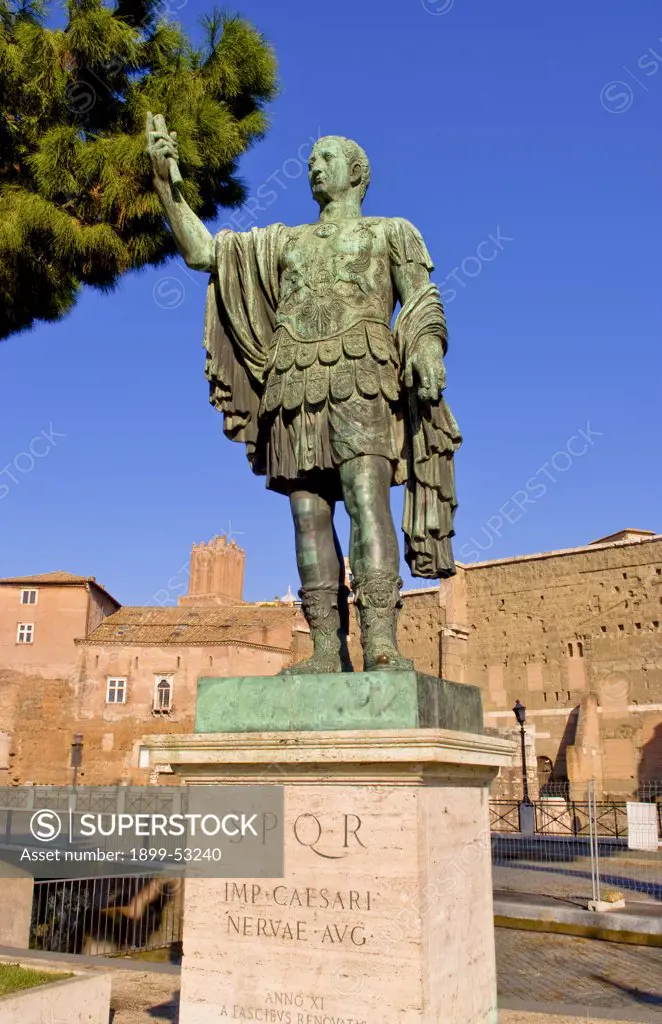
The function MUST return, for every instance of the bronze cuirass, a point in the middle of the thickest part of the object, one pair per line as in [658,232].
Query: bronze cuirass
[332,277]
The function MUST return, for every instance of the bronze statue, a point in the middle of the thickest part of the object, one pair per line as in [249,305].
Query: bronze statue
[330,402]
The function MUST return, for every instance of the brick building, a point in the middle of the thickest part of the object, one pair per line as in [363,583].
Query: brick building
[73,661]
[41,615]
[574,634]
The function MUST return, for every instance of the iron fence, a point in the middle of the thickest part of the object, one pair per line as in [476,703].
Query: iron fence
[574,817]
[504,815]
[554,816]
[579,850]
[107,916]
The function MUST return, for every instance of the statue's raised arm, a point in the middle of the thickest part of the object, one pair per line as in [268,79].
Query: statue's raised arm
[193,240]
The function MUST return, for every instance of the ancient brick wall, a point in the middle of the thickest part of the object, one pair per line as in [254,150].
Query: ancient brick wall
[420,626]
[42,714]
[550,630]
[554,626]
[39,714]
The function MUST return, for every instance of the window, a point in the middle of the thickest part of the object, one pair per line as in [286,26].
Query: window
[545,768]
[580,649]
[115,691]
[163,694]
[28,597]
[25,633]
[570,650]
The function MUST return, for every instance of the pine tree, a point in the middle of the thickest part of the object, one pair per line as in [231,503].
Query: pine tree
[76,201]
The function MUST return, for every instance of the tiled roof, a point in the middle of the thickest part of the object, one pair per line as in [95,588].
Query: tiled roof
[58,578]
[186,625]
[50,577]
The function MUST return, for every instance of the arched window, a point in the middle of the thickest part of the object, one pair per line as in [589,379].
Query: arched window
[570,653]
[580,649]
[163,694]
[545,768]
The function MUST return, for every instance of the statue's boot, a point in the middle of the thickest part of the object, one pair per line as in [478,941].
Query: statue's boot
[377,595]
[326,611]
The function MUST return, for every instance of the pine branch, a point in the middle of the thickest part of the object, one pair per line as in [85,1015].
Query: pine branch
[76,202]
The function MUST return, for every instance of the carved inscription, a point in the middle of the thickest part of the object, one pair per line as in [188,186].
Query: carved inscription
[331,843]
[267,920]
[288,1008]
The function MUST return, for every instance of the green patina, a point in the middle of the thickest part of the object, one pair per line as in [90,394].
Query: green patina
[332,403]
[336,701]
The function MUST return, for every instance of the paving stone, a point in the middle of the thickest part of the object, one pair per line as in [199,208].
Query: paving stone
[537,969]
[543,968]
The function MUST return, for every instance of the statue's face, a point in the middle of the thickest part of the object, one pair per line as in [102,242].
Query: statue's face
[329,171]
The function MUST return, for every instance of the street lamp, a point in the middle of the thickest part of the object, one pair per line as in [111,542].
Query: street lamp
[520,714]
[76,755]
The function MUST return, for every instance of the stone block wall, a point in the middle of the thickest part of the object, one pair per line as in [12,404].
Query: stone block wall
[551,630]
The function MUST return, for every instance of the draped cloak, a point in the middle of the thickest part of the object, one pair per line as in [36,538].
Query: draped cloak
[240,320]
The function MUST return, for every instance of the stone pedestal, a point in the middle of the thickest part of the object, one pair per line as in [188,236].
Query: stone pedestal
[16,911]
[384,915]
[337,701]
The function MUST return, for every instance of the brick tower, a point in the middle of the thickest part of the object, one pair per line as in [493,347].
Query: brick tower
[217,573]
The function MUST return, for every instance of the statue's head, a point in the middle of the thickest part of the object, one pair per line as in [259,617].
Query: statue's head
[336,166]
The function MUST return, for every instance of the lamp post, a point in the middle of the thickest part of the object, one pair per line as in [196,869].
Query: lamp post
[520,714]
[527,812]
[76,755]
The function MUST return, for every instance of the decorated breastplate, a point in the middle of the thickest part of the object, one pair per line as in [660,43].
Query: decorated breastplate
[333,276]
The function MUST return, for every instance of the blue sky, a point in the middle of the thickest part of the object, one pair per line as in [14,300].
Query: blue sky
[523,140]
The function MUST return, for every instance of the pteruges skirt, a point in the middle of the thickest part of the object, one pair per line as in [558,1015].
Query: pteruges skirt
[326,402]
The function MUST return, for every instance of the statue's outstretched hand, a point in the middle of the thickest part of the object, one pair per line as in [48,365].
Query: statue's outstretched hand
[162,148]
[426,364]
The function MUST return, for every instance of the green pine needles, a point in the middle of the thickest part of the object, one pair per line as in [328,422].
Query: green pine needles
[76,201]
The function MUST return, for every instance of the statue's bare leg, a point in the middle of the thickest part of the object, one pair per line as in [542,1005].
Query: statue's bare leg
[374,556]
[323,594]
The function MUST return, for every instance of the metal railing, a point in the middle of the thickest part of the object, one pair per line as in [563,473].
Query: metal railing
[562,817]
[575,817]
[504,815]
[107,916]
[578,851]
